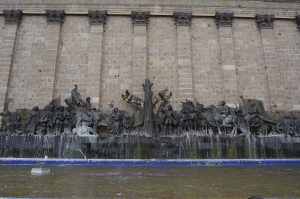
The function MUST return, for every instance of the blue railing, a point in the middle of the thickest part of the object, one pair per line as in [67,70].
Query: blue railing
[150,162]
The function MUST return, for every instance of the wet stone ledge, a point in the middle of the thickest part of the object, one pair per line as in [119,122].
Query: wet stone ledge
[143,147]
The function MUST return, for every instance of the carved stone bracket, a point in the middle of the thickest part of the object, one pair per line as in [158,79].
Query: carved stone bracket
[264,21]
[183,18]
[140,18]
[55,16]
[12,16]
[224,18]
[298,21]
[97,17]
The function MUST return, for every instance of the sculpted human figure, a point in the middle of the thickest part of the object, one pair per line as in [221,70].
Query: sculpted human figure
[135,101]
[255,117]
[252,116]
[13,121]
[47,120]
[159,119]
[222,113]
[189,116]
[59,120]
[200,116]
[75,99]
[67,118]
[32,120]
[161,100]
[114,121]
[223,108]
[127,120]
[88,104]
[288,125]
[170,121]
[95,118]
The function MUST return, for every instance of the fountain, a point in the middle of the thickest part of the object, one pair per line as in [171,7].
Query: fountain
[40,169]
[194,132]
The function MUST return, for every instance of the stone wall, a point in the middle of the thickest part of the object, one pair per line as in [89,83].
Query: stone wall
[43,57]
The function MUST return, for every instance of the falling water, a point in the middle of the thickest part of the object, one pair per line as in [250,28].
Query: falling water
[253,147]
[193,146]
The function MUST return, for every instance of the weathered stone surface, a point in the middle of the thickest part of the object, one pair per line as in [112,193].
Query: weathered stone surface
[184,61]
[207,72]
[298,21]
[95,45]
[162,56]
[264,21]
[12,16]
[251,73]
[224,18]
[116,72]
[72,59]
[97,17]
[55,16]
[28,64]
[286,38]
[140,18]
[183,18]
[198,60]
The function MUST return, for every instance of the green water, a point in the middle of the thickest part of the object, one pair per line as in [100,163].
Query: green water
[152,182]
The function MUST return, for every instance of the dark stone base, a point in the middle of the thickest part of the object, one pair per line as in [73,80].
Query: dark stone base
[143,147]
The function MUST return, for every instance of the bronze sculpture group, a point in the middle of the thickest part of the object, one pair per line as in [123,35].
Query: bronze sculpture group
[159,118]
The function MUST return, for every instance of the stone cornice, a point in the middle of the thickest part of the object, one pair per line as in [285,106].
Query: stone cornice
[285,9]
[183,18]
[224,18]
[140,18]
[197,12]
[298,21]
[55,16]
[12,16]
[97,17]
[264,21]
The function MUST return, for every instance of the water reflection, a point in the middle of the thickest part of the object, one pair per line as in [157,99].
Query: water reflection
[152,182]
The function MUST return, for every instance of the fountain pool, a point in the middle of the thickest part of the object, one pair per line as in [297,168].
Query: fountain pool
[151,182]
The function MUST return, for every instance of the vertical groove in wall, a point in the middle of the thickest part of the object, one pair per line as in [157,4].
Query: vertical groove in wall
[265,71]
[162,67]
[184,68]
[239,92]
[222,94]
[101,65]
[94,57]
[139,71]
[191,60]
[57,65]
[73,57]
[206,72]
[59,47]
[6,100]
[273,71]
[147,52]
[132,54]
[283,106]
[178,101]
[117,61]
[235,63]
[287,38]
[28,65]
[228,64]
[249,60]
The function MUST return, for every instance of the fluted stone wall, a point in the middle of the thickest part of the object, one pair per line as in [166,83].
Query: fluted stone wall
[194,55]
